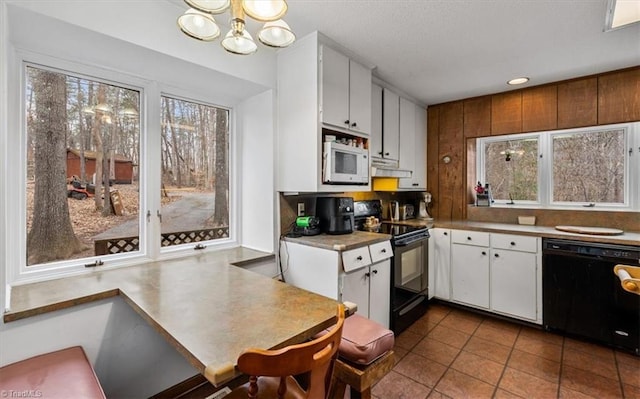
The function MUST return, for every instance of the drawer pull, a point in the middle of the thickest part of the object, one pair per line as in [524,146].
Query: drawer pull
[446,234]
[513,243]
[496,255]
[375,271]
[484,253]
[367,274]
[469,238]
[384,250]
[359,258]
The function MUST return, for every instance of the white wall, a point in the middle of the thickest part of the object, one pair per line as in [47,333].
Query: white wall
[130,358]
[256,121]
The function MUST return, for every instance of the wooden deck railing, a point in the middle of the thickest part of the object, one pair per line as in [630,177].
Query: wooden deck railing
[116,245]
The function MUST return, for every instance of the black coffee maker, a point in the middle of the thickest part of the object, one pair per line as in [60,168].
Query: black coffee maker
[335,214]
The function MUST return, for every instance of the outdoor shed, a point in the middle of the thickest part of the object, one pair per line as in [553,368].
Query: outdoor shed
[123,166]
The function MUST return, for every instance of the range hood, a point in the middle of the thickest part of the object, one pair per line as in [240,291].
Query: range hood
[387,168]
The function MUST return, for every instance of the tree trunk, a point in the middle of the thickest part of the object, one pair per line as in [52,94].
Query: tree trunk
[97,138]
[83,161]
[221,210]
[51,236]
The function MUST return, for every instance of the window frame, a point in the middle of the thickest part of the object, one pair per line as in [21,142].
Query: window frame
[14,189]
[545,168]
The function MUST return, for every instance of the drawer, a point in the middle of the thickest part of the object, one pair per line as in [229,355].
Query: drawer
[478,238]
[380,251]
[514,243]
[356,258]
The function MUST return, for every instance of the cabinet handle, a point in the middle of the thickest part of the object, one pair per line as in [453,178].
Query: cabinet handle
[359,258]
[346,122]
[386,153]
[415,184]
[496,255]
[384,250]
[469,238]
[375,271]
[367,274]
[354,124]
[484,253]
[379,152]
[513,243]
[446,234]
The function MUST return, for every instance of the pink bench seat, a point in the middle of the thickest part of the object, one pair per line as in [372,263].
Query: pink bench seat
[66,373]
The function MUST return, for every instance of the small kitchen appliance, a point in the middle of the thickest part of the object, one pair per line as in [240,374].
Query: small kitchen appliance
[335,214]
[423,206]
[394,211]
[307,226]
[345,164]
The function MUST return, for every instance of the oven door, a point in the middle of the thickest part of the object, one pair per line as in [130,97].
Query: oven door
[410,276]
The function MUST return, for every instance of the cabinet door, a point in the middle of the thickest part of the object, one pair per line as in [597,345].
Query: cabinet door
[390,124]
[359,98]
[335,88]
[513,283]
[380,292]
[355,288]
[442,263]
[375,143]
[407,140]
[470,275]
[419,177]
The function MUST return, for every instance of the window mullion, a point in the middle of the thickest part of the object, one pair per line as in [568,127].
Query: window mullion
[151,176]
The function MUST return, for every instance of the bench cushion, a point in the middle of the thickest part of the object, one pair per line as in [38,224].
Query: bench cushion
[66,373]
[363,340]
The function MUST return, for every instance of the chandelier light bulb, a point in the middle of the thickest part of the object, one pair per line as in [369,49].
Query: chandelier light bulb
[239,42]
[210,6]
[276,34]
[198,25]
[265,10]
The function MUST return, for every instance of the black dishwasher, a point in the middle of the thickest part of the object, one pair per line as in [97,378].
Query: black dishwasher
[583,297]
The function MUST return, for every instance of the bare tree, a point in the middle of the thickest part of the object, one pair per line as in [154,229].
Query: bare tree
[51,236]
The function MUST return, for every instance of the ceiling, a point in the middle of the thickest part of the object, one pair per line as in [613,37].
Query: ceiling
[443,50]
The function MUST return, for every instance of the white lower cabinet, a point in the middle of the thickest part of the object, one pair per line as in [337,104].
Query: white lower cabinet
[513,283]
[470,274]
[501,273]
[441,274]
[361,275]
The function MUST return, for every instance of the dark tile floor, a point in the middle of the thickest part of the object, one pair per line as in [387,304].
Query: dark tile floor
[452,353]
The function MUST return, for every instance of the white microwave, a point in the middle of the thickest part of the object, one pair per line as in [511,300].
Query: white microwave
[345,164]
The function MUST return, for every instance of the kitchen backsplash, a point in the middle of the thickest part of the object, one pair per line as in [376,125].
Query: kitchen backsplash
[289,203]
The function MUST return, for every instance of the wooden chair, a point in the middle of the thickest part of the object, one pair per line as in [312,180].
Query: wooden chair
[272,371]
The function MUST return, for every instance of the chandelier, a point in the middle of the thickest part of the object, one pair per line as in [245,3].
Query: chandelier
[197,22]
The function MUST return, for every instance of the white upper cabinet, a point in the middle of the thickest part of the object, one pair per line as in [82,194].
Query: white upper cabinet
[314,89]
[390,125]
[346,93]
[375,143]
[413,145]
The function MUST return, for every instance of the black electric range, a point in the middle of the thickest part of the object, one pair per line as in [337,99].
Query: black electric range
[409,265]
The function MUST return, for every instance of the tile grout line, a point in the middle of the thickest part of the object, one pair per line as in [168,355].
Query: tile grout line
[561,368]
[504,369]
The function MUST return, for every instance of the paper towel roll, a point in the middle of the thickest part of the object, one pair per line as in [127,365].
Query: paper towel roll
[623,274]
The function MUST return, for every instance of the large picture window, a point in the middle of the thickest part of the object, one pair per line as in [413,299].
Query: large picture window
[195,172]
[83,146]
[592,167]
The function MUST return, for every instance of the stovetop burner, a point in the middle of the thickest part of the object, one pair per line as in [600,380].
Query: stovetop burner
[402,234]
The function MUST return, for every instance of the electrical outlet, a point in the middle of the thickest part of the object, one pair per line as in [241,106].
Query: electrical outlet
[300,208]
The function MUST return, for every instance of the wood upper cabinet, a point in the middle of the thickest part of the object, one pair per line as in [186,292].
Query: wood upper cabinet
[578,103]
[540,108]
[477,117]
[506,113]
[619,96]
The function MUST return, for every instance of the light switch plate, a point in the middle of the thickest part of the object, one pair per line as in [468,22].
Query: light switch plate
[300,208]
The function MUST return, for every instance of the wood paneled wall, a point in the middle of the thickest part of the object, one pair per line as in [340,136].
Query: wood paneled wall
[612,97]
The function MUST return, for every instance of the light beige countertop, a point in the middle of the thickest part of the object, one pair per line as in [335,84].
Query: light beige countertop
[627,238]
[207,308]
[340,242]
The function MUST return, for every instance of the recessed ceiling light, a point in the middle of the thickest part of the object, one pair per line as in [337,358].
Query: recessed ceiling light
[518,81]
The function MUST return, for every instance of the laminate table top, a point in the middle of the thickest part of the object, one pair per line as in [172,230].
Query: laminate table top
[207,308]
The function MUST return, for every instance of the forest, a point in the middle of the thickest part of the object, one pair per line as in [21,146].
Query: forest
[84,143]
